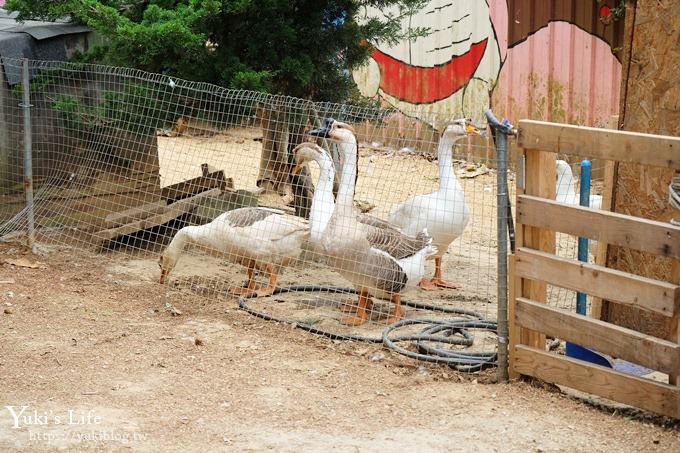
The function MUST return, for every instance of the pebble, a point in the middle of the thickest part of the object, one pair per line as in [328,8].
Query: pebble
[377,356]
[9,310]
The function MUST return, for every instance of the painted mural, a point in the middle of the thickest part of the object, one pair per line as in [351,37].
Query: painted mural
[543,59]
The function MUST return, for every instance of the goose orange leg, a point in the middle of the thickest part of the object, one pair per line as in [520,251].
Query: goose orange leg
[398,310]
[360,315]
[250,286]
[436,281]
[350,305]
[271,286]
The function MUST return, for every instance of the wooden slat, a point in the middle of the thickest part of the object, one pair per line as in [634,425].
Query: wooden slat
[603,247]
[513,329]
[627,389]
[171,212]
[674,376]
[540,181]
[622,146]
[196,185]
[626,344]
[619,286]
[136,213]
[611,227]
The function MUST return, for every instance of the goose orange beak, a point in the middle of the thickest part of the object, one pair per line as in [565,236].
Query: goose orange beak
[472,130]
[296,169]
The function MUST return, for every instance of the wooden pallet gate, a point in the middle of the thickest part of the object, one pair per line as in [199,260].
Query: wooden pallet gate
[535,265]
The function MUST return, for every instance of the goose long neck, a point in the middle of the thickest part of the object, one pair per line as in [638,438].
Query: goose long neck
[177,245]
[345,199]
[565,184]
[447,178]
[322,201]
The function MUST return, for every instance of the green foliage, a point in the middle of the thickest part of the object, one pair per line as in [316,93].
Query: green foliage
[302,48]
[136,107]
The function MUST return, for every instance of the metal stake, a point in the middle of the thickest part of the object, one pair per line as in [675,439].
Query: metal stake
[500,134]
[28,152]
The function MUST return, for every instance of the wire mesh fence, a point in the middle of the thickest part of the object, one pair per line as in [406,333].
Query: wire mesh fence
[568,188]
[368,219]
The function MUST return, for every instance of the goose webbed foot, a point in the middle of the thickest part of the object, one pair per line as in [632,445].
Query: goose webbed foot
[251,287]
[360,315]
[398,311]
[351,305]
[437,283]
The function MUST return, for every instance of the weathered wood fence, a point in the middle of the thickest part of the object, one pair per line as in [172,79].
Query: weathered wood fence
[535,265]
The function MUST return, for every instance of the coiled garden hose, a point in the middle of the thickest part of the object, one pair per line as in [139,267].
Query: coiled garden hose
[451,332]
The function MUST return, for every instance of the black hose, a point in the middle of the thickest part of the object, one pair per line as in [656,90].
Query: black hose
[459,360]
[451,332]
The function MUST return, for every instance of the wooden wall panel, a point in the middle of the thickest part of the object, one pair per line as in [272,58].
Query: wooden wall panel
[651,104]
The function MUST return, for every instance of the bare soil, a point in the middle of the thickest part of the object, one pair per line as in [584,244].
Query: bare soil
[93,334]
[105,359]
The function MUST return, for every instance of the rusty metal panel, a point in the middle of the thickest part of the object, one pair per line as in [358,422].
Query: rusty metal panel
[552,60]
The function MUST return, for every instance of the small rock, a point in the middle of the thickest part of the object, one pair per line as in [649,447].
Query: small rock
[423,371]
[377,356]
[9,310]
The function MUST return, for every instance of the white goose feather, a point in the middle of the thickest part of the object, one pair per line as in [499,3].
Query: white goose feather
[257,238]
[444,213]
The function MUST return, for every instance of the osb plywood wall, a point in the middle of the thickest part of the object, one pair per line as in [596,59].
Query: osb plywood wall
[650,103]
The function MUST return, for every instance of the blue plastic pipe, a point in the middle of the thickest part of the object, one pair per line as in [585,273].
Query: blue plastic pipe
[583,242]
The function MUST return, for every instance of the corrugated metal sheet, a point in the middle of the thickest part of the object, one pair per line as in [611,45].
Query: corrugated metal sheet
[562,63]
[541,59]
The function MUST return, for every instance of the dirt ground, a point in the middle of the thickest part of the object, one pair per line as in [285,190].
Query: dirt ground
[89,336]
[101,357]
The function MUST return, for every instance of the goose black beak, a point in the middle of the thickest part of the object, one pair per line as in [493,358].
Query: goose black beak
[324,130]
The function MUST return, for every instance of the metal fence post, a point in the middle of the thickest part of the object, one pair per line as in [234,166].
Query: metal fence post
[28,149]
[500,134]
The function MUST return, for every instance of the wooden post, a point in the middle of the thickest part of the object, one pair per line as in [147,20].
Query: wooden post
[513,330]
[607,195]
[674,378]
[539,181]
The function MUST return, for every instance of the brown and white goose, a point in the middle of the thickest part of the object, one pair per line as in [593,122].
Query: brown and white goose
[262,239]
[375,257]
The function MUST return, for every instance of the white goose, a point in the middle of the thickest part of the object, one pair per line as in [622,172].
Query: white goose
[379,261]
[444,213]
[258,238]
[565,192]
[380,233]
[566,187]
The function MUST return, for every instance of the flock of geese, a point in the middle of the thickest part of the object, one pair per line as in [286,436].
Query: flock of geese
[380,258]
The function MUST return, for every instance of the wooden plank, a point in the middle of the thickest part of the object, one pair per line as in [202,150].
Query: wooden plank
[196,185]
[513,329]
[539,181]
[116,219]
[603,247]
[643,393]
[606,338]
[171,212]
[623,287]
[609,180]
[674,376]
[661,238]
[645,149]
